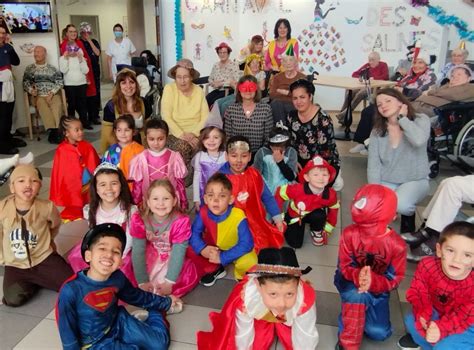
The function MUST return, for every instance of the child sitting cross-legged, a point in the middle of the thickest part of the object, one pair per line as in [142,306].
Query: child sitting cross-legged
[28,226]
[87,310]
[311,201]
[220,234]
[371,263]
[272,300]
[252,195]
[442,294]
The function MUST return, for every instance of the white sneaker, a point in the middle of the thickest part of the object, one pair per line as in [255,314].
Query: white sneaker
[7,163]
[364,152]
[357,148]
[176,309]
[28,159]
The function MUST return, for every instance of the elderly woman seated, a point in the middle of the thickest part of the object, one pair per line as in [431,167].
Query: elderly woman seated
[457,89]
[458,56]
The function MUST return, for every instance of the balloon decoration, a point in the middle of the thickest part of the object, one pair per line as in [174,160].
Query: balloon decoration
[439,16]
[178,28]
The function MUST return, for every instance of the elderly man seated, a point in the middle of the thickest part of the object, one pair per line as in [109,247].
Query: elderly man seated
[43,81]
[457,89]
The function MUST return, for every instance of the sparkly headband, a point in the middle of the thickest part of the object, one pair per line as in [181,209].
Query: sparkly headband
[268,269]
[239,145]
[247,86]
[279,138]
[105,165]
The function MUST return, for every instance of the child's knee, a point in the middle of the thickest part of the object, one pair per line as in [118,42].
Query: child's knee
[378,332]
[16,296]
[244,263]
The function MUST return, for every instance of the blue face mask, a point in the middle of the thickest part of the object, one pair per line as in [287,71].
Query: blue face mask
[118,34]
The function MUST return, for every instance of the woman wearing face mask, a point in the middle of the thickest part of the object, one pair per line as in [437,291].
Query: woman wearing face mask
[119,51]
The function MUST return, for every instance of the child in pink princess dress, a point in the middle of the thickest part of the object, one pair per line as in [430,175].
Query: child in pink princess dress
[157,162]
[111,202]
[160,238]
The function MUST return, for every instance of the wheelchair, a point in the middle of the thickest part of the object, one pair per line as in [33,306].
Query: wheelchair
[456,143]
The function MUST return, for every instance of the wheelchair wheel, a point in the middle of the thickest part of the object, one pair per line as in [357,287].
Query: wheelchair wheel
[464,144]
[434,170]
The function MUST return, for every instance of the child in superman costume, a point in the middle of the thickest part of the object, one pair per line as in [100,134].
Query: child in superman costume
[371,263]
[87,311]
[271,300]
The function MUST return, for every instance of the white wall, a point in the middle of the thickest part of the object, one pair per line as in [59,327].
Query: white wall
[390,20]
[150,25]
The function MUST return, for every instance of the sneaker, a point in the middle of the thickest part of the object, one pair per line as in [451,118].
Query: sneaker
[416,238]
[357,148]
[210,279]
[318,238]
[425,249]
[406,343]
[364,152]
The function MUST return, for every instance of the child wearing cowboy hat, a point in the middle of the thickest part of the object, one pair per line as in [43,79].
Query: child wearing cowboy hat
[272,300]
[311,201]
[87,310]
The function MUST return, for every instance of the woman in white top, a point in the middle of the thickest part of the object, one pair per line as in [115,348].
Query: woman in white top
[119,51]
[74,67]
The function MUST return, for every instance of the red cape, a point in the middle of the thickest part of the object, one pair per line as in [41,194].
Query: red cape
[91,88]
[222,336]
[66,176]
[265,235]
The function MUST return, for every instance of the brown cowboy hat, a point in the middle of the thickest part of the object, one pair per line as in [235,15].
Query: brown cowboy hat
[184,63]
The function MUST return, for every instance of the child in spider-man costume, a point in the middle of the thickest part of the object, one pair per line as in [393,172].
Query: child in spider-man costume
[371,263]
[442,294]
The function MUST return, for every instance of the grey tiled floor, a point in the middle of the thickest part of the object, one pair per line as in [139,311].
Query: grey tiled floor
[33,326]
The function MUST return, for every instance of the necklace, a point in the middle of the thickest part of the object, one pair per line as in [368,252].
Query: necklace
[248,110]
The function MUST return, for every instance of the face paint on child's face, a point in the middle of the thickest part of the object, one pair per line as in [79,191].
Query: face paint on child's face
[104,258]
[108,187]
[156,139]
[217,198]
[317,177]
[124,134]
[161,202]
[457,256]
[238,160]
[278,297]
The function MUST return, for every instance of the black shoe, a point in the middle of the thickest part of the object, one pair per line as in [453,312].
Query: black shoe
[16,142]
[96,121]
[427,248]
[407,223]
[19,134]
[4,177]
[11,150]
[87,127]
[210,279]
[407,343]
[416,238]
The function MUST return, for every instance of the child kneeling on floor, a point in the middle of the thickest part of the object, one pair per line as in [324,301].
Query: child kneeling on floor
[371,263]
[312,201]
[271,300]
[221,234]
[28,226]
[442,294]
[87,310]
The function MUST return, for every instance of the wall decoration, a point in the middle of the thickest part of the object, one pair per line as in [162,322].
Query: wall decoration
[415,21]
[318,11]
[198,25]
[248,6]
[280,7]
[397,12]
[227,33]
[28,48]
[197,52]
[206,5]
[260,4]
[417,3]
[265,33]
[210,42]
[354,21]
[178,29]
[219,4]
[189,8]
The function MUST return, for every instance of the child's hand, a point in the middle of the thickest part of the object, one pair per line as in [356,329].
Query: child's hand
[364,279]
[206,252]
[423,323]
[280,226]
[215,256]
[197,206]
[433,333]
[147,287]
[277,154]
[164,288]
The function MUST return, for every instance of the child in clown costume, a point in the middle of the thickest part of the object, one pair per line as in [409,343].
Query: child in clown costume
[311,201]
[272,300]
[371,263]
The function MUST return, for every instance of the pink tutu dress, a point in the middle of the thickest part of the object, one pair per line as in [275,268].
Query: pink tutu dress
[160,239]
[115,216]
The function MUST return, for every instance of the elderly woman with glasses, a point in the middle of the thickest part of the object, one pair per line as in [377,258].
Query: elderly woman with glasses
[184,108]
